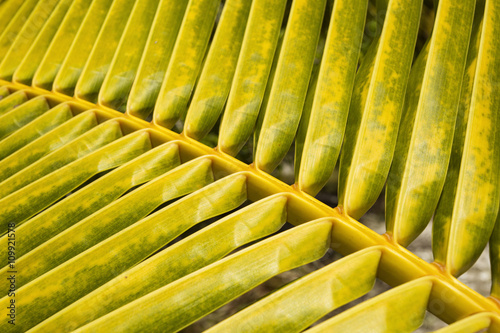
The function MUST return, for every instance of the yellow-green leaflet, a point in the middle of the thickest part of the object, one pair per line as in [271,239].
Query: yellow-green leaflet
[331,102]
[267,93]
[156,57]
[121,251]
[28,51]
[72,66]
[319,292]
[60,44]
[102,54]
[469,204]
[473,323]
[4,92]
[290,83]
[25,202]
[372,125]
[46,144]
[25,25]
[176,305]
[122,71]
[38,127]
[406,305]
[77,148]
[8,11]
[105,222]
[93,197]
[11,101]
[424,147]
[495,258]
[300,137]
[186,62]
[215,80]
[252,72]
[22,115]
[196,251]
[26,63]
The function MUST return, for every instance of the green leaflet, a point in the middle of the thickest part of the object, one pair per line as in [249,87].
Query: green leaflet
[156,57]
[333,95]
[290,83]
[26,53]
[215,80]
[495,259]
[120,252]
[373,122]
[300,137]
[423,148]
[192,253]
[38,127]
[89,199]
[44,145]
[22,66]
[123,69]
[79,147]
[11,101]
[25,25]
[72,66]
[317,293]
[8,11]
[186,62]
[469,204]
[32,198]
[251,76]
[4,92]
[104,49]
[174,306]
[22,115]
[106,222]
[60,44]
[401,309]
[473,323]
[267,94]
